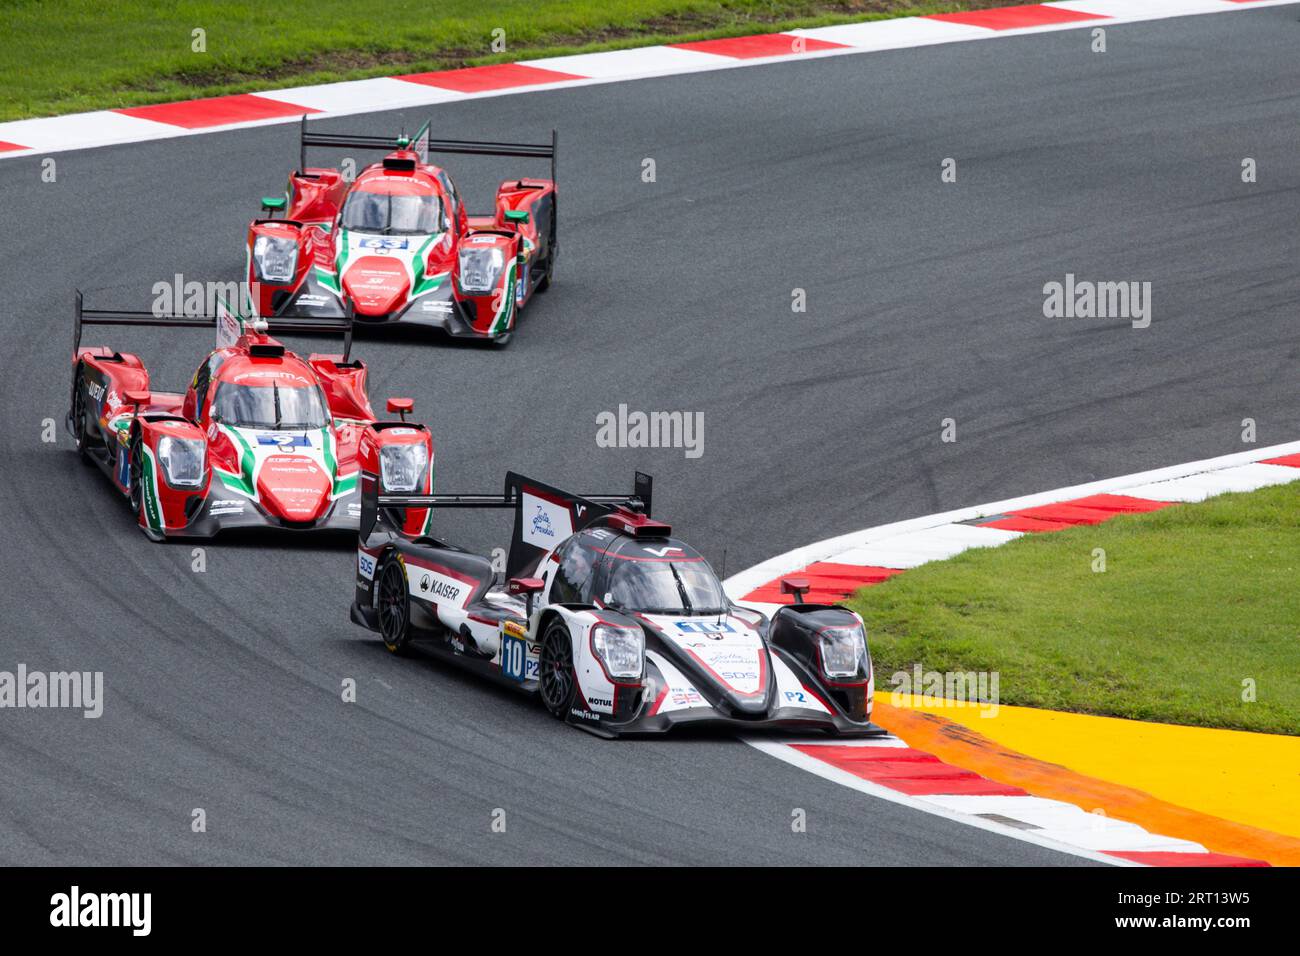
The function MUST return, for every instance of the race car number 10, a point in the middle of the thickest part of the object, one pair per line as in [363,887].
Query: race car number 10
[515,662]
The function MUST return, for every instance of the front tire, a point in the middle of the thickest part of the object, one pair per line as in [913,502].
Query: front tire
[135,484]
[502,340]
[135,487]
[393,604]
[557,680]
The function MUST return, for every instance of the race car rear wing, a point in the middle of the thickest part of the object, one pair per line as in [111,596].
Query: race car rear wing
[422,145]
[544,515]
[227,324]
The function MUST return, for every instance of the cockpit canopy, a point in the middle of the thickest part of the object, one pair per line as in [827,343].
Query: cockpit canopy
[650,575]
[392,208]
[271,405]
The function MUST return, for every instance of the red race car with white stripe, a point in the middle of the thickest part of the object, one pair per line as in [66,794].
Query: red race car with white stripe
[396,244]
[260,437]
[619,627]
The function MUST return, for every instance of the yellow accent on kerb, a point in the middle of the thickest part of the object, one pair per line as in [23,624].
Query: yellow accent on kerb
[1250,778]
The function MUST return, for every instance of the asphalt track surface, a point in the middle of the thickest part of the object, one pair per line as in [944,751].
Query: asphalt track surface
[924,303]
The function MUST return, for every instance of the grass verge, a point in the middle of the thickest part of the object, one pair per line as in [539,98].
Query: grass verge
[1195,602]
[67,56]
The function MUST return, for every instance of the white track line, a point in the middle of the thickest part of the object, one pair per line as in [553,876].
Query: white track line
[786,753]
[109,128]
[1138,485]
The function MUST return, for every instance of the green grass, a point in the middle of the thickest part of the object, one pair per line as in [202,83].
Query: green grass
[1194,600]
[64,56]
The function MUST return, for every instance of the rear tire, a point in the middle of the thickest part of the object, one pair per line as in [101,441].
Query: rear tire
[393,604]
[79,419]
[557,680]
[551,240]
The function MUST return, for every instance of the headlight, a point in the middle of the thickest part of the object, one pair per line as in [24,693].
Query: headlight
[402,466]
[844,649]
[276,258]
[182,461]
[619,648]
[480,268]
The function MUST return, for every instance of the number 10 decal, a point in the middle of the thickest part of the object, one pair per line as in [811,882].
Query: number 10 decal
[514,657]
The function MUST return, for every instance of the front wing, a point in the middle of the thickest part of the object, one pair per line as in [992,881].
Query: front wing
[224,509]
[440,308]
[670,700]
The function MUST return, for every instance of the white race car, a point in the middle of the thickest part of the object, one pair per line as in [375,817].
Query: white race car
[619,627]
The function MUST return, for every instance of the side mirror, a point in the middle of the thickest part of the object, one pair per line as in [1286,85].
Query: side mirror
[796,586]
[400,406]
[528,587]
[273,204]
[136,397]
[516,215]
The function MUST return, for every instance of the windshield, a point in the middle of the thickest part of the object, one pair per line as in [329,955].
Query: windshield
[389,215]
[269,406]
[666,587]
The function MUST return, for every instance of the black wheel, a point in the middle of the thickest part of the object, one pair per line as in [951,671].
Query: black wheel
[545,284]
[135,486]
[557,681]
[502,340]
[135,482]
[549,267]
[393,603]
[79,419]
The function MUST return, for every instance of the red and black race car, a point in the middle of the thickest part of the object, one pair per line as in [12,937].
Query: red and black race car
[259,438]
[398,245]
[615,624]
